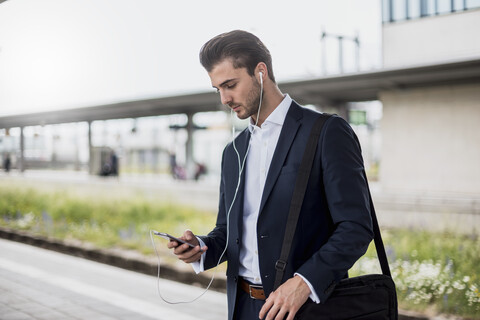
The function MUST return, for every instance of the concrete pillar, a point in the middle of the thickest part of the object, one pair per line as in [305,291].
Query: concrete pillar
[90,156]
[77,147]
[53,162]
[340,109]
[21,162]
[190,164]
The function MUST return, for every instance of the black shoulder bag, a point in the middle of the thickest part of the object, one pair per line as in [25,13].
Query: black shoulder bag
[370,296]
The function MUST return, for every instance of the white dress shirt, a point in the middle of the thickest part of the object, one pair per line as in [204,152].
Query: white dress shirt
[263,141]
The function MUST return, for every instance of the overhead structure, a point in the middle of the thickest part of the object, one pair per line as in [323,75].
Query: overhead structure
[333,90]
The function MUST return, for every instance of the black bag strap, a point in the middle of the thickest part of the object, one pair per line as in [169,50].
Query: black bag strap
[297,200]
[298,195]
[377,239]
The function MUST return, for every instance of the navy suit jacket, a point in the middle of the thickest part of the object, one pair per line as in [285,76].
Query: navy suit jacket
[334,226]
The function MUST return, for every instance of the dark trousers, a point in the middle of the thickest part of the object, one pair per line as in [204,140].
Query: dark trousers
[246,308]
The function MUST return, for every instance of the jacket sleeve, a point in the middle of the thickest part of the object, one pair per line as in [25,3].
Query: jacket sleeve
[346,193]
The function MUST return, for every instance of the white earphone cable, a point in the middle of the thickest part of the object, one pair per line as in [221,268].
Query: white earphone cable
[241,166]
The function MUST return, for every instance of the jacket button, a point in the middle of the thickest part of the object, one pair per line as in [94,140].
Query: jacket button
[237,241]
[235,278]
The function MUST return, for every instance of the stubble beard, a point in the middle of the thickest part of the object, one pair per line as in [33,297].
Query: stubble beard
[252,103]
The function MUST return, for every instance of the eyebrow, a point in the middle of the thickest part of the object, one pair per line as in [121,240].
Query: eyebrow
[225,82]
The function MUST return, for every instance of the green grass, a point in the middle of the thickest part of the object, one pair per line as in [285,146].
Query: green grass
[433,272]
[103,221]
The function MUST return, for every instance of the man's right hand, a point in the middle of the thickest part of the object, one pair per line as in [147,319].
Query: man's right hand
[183,251]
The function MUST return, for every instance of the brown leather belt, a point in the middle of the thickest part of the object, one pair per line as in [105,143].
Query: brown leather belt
[255,291]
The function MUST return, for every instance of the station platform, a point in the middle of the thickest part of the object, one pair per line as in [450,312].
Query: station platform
[41,284]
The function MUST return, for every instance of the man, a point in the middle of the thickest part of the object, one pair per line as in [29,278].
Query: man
[7,163]
[334,227]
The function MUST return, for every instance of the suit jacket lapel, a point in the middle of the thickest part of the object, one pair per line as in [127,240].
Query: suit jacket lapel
[287,135]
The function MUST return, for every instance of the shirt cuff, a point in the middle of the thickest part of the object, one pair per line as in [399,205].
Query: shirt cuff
[313,293]
[198,265]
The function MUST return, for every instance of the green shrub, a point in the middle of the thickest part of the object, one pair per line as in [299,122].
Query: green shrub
[439,271]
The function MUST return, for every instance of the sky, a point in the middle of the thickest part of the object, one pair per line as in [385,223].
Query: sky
[59,54]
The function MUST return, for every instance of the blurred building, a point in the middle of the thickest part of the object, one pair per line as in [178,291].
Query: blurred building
[431,137]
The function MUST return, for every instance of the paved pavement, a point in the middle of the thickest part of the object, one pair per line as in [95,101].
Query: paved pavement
[40,284]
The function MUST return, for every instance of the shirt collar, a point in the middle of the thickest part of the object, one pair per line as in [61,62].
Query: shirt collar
[278,115]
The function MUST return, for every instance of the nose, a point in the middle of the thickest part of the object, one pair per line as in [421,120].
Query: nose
[225,98]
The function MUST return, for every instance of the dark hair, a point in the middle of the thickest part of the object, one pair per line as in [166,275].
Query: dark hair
[244,48]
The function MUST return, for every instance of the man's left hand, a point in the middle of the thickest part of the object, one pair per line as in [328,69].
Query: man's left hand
[288,298]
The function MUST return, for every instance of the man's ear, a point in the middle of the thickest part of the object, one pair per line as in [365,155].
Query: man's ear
[261,68]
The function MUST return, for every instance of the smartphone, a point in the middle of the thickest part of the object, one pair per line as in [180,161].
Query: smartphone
[171,238]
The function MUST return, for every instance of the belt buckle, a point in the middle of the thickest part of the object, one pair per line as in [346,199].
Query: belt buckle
[250,286]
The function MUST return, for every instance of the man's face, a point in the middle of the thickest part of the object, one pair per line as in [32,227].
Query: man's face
[237,89]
